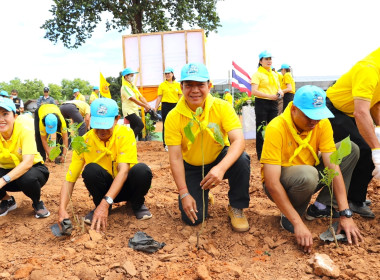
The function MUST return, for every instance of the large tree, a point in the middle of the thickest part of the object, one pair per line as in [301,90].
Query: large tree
[74,20]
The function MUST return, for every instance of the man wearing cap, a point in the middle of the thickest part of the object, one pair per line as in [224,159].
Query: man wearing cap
[355,101]
[4,94]
[131,99]
[291,166]
[288,85]
[79,112]
[21,166]
[78,95]
[228,97]
[17,101]
[169,92]
[221,161]
[94,95]
[48,120]
[45,99]
[111,171]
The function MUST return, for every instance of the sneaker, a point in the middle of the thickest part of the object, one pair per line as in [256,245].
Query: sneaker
[238,220]
[7,205]
[40,210]
[88,217]
[313,212]
[361,208]
[286,224]
[166,148]
[142,213]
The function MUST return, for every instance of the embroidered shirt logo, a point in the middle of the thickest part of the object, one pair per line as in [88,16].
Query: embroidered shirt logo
[317,101]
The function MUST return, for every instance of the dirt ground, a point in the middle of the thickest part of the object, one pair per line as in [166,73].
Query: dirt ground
[266,252]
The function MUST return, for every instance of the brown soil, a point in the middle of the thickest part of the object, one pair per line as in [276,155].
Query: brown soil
[30,251]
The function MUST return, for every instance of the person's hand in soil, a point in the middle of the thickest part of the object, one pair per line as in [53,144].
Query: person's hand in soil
[99,220]
[304,237]
[190,207]
[62,214]
[213,178]
[351,230]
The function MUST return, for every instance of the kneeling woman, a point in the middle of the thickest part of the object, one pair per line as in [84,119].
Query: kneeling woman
[21,166]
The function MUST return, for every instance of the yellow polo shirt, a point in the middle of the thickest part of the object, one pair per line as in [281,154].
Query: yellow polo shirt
[228,98]
[93,97]
[82,106]
[279,144]
[22,142]
[361,82]
[221,113]
[80,97]
[265,86]
[170,91]
[288,79]
[46,109]
[120,148]
[129,107]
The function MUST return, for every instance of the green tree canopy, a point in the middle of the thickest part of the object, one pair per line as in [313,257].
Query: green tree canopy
[74,20]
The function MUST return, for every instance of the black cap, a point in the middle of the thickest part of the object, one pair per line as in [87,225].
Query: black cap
[46,89]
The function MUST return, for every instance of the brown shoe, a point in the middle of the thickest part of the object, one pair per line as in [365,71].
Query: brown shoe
[239,222]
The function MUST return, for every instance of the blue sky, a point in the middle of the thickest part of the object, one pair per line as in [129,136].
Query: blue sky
[317,38]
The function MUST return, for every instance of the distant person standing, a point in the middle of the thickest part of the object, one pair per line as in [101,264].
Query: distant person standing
[266,89]
[17,101]
[288,86]
[355,101]
[131,99]
[45,99]
[169,92]
[94,95]
[78,95]
[228,97]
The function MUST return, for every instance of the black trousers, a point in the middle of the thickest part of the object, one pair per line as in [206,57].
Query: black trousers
[70,111]
[135,123]
[30,183]
[98,181]
[265,111]
[344,126]
[288,97]
[165,109]
[238,178]
[40,147]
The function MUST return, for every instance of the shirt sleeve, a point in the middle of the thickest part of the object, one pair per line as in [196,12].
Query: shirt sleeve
[128,93]
[29,146]
[364,82]
[326,144]
[255,79]
[159,91]
[230,119]
[173,135]
[75,168]
[272,150]
[128,150]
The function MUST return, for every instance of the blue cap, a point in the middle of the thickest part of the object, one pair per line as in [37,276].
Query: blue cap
[75,90]
[285,66]
[227,90]
[51,123]
[95,87]
[7,104]
[169,70]
[311,100]
[128,71]
[265,54]
[103,113]
[4,93]
[194,72]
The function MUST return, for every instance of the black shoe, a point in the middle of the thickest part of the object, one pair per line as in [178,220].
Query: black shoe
[362,209]
[313,212]
[286,224]
[7,205]
[142,213]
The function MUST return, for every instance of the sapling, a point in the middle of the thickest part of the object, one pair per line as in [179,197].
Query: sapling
[329,174]
[189,135]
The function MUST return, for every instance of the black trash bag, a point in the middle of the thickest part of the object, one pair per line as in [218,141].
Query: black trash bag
[143,242]
[66,228]
[154,116]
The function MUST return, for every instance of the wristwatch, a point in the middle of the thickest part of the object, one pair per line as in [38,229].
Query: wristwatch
[108,199]
[6,178]
[346,212]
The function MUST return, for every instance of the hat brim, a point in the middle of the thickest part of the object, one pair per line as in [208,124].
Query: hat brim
[196,79]
[51,130]
[318,113]
[102,122]
[8,108]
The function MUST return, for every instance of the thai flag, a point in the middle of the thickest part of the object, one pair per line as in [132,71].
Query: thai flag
[240,79]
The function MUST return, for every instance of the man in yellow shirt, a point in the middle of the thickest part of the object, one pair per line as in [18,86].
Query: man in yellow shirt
[94,95]
[355,101]
[290,166]
[79,112]
[78,95]
[111,171]
[228,97]
[228,161]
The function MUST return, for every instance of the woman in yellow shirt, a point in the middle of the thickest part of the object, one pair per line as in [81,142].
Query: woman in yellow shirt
[266,89]
[288,86]
[21,166]
[169,92]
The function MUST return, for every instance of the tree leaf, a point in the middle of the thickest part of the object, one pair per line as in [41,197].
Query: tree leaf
[199,111]
[343,151]
[188,132]
[54,153]
[217,133]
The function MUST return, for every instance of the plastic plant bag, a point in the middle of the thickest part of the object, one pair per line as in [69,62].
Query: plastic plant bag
[143,242]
